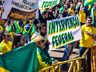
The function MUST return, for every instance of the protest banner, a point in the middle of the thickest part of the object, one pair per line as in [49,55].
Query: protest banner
[43,4]
[20,9]
[63,31]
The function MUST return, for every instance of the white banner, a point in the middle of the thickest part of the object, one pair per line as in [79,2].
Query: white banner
[25,5]
[7,6]
[43,4]
[63,31]
[20,9]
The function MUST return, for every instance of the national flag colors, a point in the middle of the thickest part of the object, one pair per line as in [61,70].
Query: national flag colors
[89,2]
[22,59]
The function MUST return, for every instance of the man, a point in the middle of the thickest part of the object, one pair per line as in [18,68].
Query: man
[82,15]
[43,56]
[29,30]
[43,33]
[71,10]
[18,25]
[88,35]
[88,38]
[18,30]
[9,26]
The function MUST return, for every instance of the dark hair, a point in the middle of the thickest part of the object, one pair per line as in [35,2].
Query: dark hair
[20,22]
[36,21]
[42,25]
[89,17]
[1,35]
[37,27]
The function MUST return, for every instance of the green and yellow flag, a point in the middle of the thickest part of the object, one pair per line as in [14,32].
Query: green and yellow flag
[89,2]
[21,59]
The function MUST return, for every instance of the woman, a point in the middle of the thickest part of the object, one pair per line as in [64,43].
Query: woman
[6,44]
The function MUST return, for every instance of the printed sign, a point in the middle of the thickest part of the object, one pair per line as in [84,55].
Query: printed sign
[20,9]
[43,4]
[63,31]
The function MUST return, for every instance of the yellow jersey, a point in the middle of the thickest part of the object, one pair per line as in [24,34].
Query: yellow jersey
[1,28]
[87,40]
[41,63]
[82,16]
[71,11]
[5,47]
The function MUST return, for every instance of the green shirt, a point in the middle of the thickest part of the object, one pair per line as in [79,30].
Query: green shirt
[9,28]
[18,29]
[45,56]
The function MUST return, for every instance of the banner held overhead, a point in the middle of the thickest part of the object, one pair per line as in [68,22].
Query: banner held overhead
[63,31]
[21,9]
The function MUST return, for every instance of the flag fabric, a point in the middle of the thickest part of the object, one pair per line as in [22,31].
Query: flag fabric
[23,59]
[89,2]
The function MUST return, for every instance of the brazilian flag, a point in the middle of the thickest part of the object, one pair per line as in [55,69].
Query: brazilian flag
[21,59]
[89,2]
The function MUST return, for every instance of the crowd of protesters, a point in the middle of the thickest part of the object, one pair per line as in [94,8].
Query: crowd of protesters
[14,34]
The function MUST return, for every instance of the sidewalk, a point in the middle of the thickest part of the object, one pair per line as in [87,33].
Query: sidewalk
[57,54]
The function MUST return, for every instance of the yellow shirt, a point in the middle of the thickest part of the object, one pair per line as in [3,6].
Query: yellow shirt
[87,40]
[5,47]
[71,11]
[1,28]
[82,16]
[3,70]
[41,63]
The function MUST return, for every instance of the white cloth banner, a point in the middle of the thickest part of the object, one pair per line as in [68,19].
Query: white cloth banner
[43,4]
[7,8]
[63,31]
[25,6]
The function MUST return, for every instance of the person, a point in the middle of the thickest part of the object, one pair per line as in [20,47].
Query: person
[41,30]
[71,10]
[6,44]
[18,30]
[82,15]
[18,27]
[28,31]
[67,52]
[1,27]
[9,26]
[43,33]
[88,39]
[1,35]
[43,56]
[93,14]
[88,35]
[1,11]
[22,42]
[36,33]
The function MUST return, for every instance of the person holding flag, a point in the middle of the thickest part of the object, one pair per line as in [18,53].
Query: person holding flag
[44,59]
[29,30]
[93,15]
[18,26]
